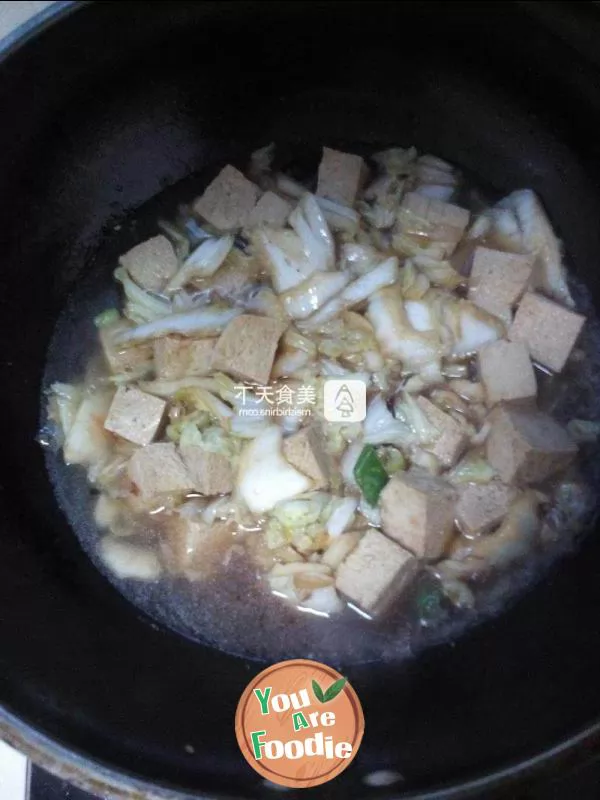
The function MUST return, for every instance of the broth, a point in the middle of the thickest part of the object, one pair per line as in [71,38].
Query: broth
[232,606]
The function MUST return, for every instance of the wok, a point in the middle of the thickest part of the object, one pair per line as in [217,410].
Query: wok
[106,105]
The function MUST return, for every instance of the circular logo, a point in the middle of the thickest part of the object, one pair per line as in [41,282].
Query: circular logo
[299,723]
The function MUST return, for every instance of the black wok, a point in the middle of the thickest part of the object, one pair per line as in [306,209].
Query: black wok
[107,106]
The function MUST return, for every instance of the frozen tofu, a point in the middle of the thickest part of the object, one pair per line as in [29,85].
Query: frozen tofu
[210,473]
[246,348]
[194,548]
[498,280]
[432,219]
[375,572]
[152,263]
[176,357]
[124,360]
[159,469]
[506,372]
[270,210]
[304,451]
[482,507]
[452,439]
[228,201]
[341,176]
[417,510]
[526,445]
[135,415]
[548,329]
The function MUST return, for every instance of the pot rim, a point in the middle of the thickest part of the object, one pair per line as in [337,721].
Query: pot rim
[98,778]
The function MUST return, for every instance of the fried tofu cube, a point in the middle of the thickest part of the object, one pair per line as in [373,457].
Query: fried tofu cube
[210,473]
[548,329]
[246,348]
[498,280]
[228,201]
[417,510]
[124,360]
[482,507]
[152,263]
[452,439]
[507,373]
[432,219]
[195,549]
[375,572]
[159,469]
[341,176]
[176,357]
[304,450]
[135,415]
[526,445]
[270,210]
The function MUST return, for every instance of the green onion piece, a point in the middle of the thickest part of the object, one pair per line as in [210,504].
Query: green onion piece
[370,474]
[106,318]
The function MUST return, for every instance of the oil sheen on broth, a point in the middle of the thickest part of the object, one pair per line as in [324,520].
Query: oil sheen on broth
[336,301]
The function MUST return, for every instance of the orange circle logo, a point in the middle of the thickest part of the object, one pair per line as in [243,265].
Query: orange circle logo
[299,723]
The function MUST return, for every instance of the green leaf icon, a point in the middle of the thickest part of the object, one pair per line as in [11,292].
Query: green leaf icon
[318,692]
[334,690]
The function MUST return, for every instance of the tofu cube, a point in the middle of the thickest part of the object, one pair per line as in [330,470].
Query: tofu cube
[432,219]
[176,357]
[152,263]
[498,280]
[341,176]
[417,510]
[304,450]
[246,348]
[507,372]
[195,549]
[482,507]
[526,445]
[210,473]
[452,439]
[124,360]
[135,415]
[548,329]
[270,210]
[228,201]
[375,572]
[159,469]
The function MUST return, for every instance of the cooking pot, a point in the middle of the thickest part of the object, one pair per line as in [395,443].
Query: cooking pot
[106,105]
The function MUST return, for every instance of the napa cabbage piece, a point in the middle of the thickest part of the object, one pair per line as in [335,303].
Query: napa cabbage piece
[203,262]
[204,322]
[299,522]
[141,306]
[63,402]
[342,515]
[265,478]
[213,439]
[472,468]
[509,543]
[198,399]
[310,295]
[292,256]
[87,442]
[384,274]
[396,336]
[520,224]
